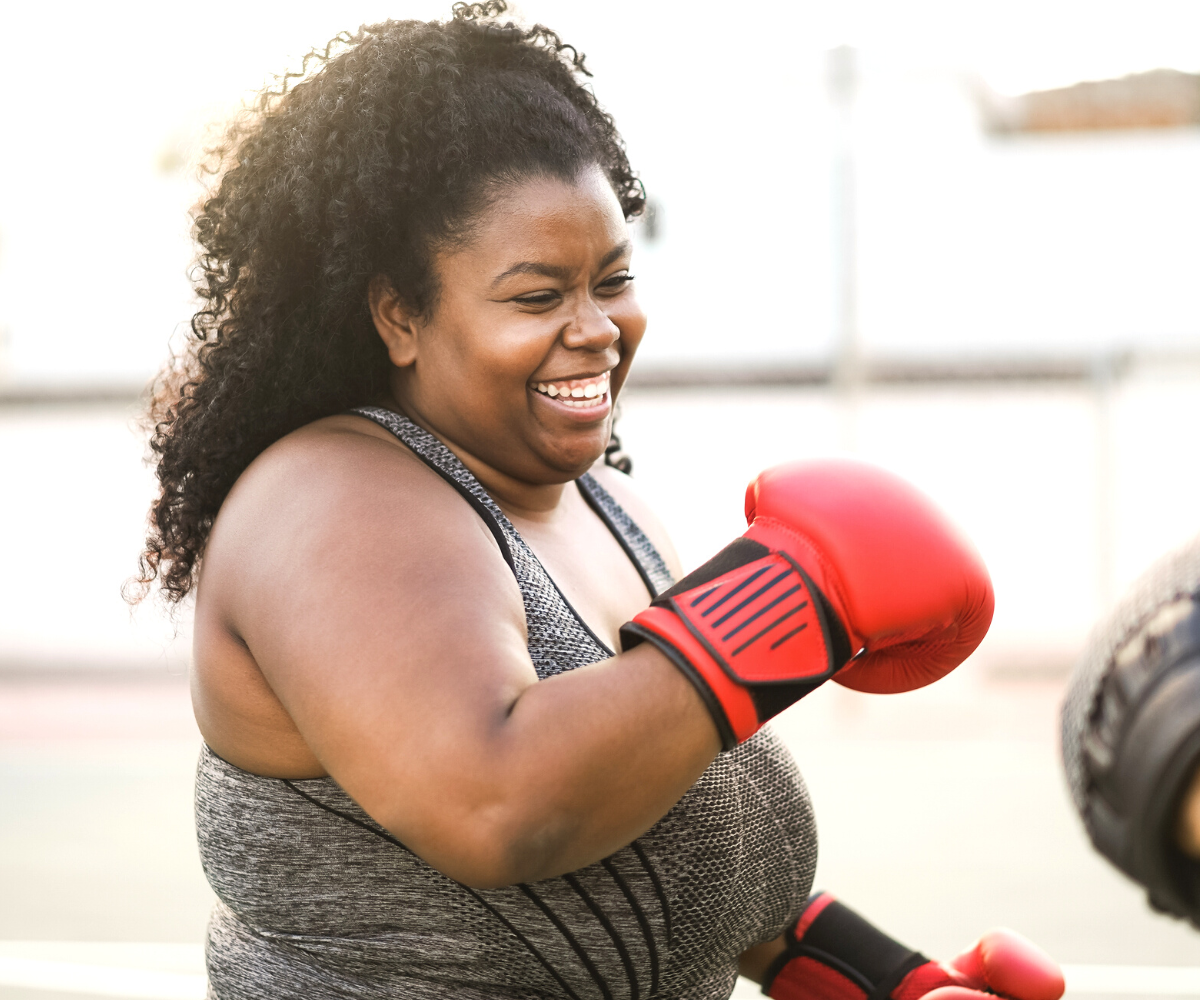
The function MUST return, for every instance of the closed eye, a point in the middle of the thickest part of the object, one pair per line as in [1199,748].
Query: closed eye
[543,298]
[616,282]
[548,296]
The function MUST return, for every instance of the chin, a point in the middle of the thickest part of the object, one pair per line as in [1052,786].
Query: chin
[573,460]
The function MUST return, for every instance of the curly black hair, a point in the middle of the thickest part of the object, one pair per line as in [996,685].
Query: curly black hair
[379,156]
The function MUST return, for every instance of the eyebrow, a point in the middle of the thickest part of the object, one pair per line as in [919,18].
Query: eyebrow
[556,271]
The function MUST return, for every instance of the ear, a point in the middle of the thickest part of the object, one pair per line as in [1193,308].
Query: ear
[395,321]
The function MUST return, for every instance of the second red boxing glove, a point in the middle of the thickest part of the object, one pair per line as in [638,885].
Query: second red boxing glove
[831,953]
[841,561]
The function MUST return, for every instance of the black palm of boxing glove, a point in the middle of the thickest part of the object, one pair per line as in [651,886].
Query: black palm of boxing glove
[1131,739]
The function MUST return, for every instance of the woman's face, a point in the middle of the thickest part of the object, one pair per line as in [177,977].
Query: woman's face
[532,335]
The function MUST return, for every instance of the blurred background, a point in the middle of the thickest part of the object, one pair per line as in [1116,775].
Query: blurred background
[954,238]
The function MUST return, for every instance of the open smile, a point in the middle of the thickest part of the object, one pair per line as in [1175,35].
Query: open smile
[577,393]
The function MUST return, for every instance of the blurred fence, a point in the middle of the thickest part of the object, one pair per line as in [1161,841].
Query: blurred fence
[1071,473]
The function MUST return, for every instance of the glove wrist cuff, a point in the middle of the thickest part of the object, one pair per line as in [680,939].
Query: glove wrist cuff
[729,703]
[751,630]
[833,953]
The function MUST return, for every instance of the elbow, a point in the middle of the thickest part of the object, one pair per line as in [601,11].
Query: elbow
[495,847]
[478,862]
[513,851]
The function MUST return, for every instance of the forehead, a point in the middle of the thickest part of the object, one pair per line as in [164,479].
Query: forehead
[549,215]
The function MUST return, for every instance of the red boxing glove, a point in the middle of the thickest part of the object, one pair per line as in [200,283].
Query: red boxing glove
[840,559]
[834,954]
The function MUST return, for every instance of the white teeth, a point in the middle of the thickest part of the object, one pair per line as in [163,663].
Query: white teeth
[585,395]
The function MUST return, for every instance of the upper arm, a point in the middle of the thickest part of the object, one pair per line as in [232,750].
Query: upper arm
[380,611]
[625,492]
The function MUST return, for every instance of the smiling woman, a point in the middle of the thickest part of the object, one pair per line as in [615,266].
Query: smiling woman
[428,771]
[539,401]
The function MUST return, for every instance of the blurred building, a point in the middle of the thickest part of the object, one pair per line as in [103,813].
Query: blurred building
[1161,98]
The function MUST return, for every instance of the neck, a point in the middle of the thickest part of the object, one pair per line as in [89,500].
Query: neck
[518,499]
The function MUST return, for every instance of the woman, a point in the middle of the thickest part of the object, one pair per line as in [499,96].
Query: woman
[426,772]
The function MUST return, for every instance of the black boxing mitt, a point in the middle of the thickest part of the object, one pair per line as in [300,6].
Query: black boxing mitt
[1131,730]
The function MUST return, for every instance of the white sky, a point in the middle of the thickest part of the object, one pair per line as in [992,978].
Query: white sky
[724,112]
[966,242]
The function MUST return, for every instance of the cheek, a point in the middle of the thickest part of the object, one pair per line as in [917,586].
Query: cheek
[508,353]
[630,319]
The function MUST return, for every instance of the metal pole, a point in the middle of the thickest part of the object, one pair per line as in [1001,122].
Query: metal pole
[847,367]
[1103,378]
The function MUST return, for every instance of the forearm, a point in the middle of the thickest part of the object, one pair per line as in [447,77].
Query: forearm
[579,765]
[495,777]
[754,962]
[568,771]
[600,755]
[1187,824]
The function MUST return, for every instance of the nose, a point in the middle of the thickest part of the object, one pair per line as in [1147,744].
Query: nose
[591,328]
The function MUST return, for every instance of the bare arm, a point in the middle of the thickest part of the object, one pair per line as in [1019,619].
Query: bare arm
[379,610]
[754,962]
[1187,828]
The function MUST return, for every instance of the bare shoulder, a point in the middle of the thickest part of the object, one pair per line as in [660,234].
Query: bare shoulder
[378,611]
[337,455]
[346,474]
[343,498]
[624,491]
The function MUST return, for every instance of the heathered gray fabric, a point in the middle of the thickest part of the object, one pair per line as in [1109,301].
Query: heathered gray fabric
[316,900]
[1175,575]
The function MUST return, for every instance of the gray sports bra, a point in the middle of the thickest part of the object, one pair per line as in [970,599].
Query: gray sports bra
[316,900]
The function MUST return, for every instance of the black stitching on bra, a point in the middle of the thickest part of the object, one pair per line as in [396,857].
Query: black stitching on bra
[478,505]
[622,951]
[493,525]
[585,483]
[348,818]
[658,889]
[466,888]
[591,492]
[643,923]
[570,938]
[571,607]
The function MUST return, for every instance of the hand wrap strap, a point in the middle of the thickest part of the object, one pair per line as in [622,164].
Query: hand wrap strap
[834,954]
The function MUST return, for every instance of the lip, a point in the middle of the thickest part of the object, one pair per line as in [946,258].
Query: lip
[580,415]
[588,415]
[577,377]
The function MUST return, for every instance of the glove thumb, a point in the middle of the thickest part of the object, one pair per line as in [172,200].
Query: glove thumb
[1010,965]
